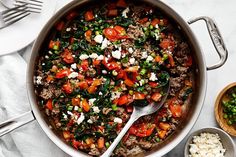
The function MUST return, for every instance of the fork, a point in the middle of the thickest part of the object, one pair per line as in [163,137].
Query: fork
[10,16]
[34,6]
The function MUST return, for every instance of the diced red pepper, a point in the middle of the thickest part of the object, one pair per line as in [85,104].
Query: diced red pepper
[67,56]
[85,105]
[49,104]
[88,35]
[128,82]
[153,84]
[121,3]
[89,16]
[143,20]
[54,44]
[171,60]
[60,25]
[76,144]
[139,96]
[142,130]
[189,61]
[85,64]
[156,96]
[67,88]
[175,107]
[96,62]
[158,58]
[82,85]
[155,22]
[164,126]
[75,101]
[92,89]
[71,15]
[167,44]
[123,100]
[110,33]
[66,134]
[62,73]
[112,12]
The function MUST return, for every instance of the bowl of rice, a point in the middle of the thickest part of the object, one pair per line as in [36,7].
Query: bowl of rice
[209,142]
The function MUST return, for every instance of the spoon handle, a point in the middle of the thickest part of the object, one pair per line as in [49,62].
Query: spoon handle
[132,119]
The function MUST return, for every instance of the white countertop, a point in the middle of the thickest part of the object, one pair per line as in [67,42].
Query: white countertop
[224,13]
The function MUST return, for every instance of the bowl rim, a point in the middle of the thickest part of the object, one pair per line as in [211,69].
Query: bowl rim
[222,124]
[209,130]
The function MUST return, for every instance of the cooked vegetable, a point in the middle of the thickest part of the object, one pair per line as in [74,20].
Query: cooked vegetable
[101,62]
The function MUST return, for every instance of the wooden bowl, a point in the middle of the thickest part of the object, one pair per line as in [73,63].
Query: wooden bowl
[230,129]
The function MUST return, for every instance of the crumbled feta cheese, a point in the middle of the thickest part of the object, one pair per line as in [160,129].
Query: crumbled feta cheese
[157,36]
[83,57]
[123,55]
[116,54]
[105,43]
[100,57]
[65,116]
[81,118]
[76,108]
[132,60]
[98,39]
[130,50]
[115,95]
[96,109]
[46,57]
[100,93]
[73,66]
[69,113]
[117,120]
[144,55]
[157,26]
[43,63]
[91,101]
[125,12]
[153,77]
[104,71]
[90,121]
[206,144]
[149,58]
[68,29]
[93,56]
[39,80]
[73,75]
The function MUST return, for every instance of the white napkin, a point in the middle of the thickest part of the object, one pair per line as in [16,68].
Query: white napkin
[29,140]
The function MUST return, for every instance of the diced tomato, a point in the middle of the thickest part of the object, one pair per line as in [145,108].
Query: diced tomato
[88,35]
[153,84]
[66,134]
[164,126]
[54,44]
[156,96]
[176,110]
[96,62]
[155,22]
[85,64]
[49,104]
[60,25]
[189,61]
[112,12]
[110,33]
[112,65]
[143,20]
[75,101]
[175,107]
[171,60]
[115,101]
[67,88]
[82,85]
[97,82]
[121,74]
[89,16]
[158,58]
[71,15]
[121,3]
[142,130]
[76,144]
[167,44]
[128,82]
[123,100]
[85,105]
[92,89]
[62,73]
[132,69]
[101,142]
[120,30]
[139,96]
[67,56]
[162,134]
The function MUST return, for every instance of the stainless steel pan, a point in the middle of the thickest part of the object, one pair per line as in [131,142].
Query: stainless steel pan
[201,79]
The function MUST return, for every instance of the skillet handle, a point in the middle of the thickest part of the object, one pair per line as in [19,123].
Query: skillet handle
[216,39]
[16,122]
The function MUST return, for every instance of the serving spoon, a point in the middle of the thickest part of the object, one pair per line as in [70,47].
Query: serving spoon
[138,111]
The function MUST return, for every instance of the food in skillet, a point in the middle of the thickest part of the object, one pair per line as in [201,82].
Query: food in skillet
[99,61]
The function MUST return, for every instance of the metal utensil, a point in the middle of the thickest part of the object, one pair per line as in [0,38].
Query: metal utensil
[34,6]
[13,15]
[138,112]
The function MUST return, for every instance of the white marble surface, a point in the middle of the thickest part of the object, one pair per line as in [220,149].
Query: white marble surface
[224,13]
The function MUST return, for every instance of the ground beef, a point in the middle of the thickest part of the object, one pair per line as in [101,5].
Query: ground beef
[49,92]
[132,140]
[134,151]
[94,152]
[134,32]
[145,144]
[120,152]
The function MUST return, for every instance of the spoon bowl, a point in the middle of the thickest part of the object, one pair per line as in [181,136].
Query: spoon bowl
[138,112]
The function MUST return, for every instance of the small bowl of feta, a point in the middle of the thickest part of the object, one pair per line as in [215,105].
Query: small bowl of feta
[209,142]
